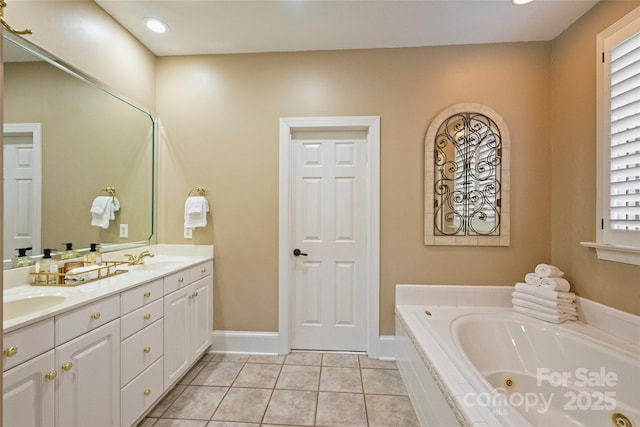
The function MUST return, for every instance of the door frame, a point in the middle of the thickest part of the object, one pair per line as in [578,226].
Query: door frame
[286,263]
[35,130]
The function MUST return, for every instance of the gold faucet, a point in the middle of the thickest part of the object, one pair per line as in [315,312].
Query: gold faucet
[137,260]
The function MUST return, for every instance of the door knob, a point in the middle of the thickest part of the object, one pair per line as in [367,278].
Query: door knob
[297,252]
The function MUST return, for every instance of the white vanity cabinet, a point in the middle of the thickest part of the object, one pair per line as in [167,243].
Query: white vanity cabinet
[188,305]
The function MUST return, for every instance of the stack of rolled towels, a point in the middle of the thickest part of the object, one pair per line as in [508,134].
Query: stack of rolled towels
[545,295]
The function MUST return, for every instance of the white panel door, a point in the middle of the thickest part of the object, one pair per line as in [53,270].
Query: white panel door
[329,231]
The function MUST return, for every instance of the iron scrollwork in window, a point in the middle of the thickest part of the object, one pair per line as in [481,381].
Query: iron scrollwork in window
[467,172]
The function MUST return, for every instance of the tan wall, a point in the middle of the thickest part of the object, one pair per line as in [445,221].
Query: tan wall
[221,116]
[573,191]
[81,33]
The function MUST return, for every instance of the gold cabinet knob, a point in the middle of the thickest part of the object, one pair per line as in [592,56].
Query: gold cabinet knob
[51,375]
[195,294]
[204,270]
[147,316]
[147,294]
[96,315]
[147,349]
[67,366]
[147,392]
[180,280]
[11,351]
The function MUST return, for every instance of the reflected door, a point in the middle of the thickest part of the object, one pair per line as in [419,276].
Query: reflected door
[330,288]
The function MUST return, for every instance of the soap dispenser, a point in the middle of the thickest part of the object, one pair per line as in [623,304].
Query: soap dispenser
[47,265]
[22,260]
[69,253]
[93,257]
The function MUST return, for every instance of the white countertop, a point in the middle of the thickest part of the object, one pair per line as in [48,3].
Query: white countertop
[169,259]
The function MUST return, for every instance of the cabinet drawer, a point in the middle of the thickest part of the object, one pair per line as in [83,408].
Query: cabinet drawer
[141,350]
[201,270]
[81,320]
[140,318]
[141,295]
[175,281]
[25,343]
[141,393]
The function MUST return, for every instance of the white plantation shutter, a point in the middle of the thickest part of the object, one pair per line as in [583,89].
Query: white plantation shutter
[624,154]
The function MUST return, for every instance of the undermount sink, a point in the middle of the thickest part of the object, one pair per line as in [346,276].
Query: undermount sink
[31,304]
[155,266]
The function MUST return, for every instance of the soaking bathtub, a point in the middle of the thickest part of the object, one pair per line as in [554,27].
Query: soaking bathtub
[486,366]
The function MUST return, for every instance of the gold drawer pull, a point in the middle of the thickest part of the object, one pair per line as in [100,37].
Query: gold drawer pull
[67,366]
[147,316]
[51,375]
[147,294]
[96,315]
[147,392]
[11,351]
[180,280]
[147,349]
[204,270]
[195,294]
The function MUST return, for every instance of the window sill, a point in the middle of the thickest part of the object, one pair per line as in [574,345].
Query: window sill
[616,253]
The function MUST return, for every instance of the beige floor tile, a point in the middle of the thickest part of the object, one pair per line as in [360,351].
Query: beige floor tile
[147,422]
[196,403]
[218,373]
[231,357]
[230,424]
[303,358]
[186,380]
[243,404]
[341,409]
[366,362]
[167,401]
[342,360]
[292,407]
[266,358]
[340,379]
[207,357]
[180,423]
[257,375]
[298,377]
[388,411]
[383,381]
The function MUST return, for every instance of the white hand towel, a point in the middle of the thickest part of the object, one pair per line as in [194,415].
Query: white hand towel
[81,274]
[556,304]
[532,279]
[103,210]
[543,309]
[557,318]
[548,270]
[555,284]
[195,212]
[543,292]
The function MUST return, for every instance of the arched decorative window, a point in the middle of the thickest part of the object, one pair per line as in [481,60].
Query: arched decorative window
[467,178]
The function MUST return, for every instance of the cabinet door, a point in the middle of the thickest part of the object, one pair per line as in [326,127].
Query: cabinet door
[177,342]
[200,316]
[28,395]
[89,378]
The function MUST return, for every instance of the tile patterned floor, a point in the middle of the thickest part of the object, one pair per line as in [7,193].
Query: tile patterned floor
[300,389]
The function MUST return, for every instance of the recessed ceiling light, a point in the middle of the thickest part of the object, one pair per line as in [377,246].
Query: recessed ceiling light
[156,25]
[522,1]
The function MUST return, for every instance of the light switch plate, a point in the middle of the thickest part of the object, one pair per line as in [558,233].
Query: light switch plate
[124,230]
[188,233]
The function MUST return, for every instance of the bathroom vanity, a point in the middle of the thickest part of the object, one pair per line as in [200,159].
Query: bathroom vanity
[105,352]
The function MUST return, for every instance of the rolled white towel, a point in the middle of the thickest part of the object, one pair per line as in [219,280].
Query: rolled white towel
[552,318]
[555,284]
[532,279]
[81,274]
[544,293]
[548,270]
[542,308]
[567,304]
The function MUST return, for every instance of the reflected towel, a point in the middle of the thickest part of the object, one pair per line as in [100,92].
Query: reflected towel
[558,303]
[555,284]
[195,212]
[532,279]
[548,270]
[103,210]
[544,293]
[552,318]
[543,309]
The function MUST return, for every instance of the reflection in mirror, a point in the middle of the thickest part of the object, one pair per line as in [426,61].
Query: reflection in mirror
[68,138]
[466,169]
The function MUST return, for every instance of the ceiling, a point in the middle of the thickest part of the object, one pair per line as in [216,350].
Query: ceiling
[242,26]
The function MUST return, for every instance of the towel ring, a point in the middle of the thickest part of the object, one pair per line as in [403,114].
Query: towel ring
[200,190]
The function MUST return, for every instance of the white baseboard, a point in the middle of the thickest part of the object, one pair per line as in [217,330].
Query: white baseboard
[268,343]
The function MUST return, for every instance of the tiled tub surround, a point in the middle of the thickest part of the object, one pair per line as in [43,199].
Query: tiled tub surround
[300,389]
[437,379]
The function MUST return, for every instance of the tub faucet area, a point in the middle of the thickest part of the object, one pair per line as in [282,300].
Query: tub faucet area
[137,260]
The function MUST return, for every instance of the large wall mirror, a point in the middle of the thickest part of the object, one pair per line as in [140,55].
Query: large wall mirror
[67,138]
